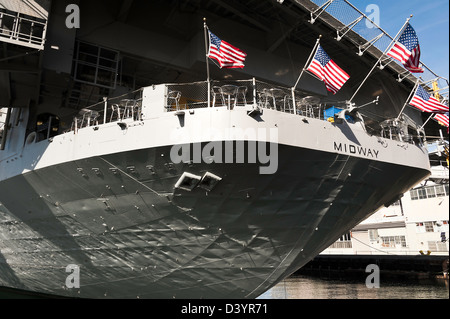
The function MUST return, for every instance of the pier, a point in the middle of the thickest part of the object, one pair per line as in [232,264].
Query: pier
[415,267]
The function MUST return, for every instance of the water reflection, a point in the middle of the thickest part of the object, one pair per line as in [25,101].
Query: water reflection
[315,288]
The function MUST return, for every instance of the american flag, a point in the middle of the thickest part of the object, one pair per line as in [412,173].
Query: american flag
[407,50]
[227,55]
[328,71]
[442,118]
[427,103]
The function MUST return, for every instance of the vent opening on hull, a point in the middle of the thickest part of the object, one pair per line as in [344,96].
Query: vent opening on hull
[209,181]
[188,181]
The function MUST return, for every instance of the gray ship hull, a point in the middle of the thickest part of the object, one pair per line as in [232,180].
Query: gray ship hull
[119,219]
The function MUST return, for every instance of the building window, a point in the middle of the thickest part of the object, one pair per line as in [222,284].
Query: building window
[96,65]
[345,237]
[429,192]
[440,191]
[373,234]
[422,193]
[393,241]
[437,246]
[429,227]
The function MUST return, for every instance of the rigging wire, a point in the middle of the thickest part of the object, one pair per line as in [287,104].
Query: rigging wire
[383,251]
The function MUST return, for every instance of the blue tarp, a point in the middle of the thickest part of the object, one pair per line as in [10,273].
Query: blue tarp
[330,112]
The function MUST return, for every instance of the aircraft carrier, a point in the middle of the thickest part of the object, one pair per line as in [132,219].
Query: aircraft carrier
[103,193]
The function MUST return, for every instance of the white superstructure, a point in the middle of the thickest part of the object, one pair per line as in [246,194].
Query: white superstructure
[416,224]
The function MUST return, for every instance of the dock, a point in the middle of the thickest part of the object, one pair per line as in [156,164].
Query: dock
[415,267]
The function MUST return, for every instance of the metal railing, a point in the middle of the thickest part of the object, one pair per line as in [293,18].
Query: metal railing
[249,94]
[22,30]
[2,117]
[186,96]
[233,94]
[2,123]
[355,20]
[262,95]
[341,245]
[117,109]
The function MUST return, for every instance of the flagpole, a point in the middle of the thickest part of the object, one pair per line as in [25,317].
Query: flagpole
[307,61]
[386,50]
[408,99]
[303,70]
[426,122]
[207,62]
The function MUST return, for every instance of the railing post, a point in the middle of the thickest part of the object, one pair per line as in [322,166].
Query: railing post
[17,27]
[105,99]
[49,127]
[254,93]
[293,100]
[31,32]
[44,34]
[5,130]
[209,93]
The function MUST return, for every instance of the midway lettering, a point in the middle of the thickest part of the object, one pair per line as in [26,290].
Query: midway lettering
[356,149]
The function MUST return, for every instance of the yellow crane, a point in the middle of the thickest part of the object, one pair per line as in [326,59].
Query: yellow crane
[446,153]
[436,90]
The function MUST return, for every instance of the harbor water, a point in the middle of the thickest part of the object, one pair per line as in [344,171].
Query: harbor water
[303,287]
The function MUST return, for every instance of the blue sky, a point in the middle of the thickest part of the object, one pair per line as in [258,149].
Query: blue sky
[430,21]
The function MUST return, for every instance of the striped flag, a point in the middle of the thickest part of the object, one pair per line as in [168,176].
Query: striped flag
[442,118]
[407,50]
[328,71]
[427,103]
[227,55]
